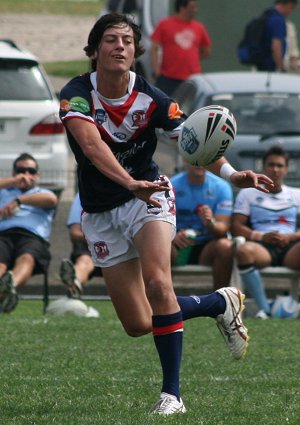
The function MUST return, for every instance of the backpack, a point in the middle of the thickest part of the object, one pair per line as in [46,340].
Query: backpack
[250,49]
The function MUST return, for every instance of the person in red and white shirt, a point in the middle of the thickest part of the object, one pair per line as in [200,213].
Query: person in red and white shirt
[179,43]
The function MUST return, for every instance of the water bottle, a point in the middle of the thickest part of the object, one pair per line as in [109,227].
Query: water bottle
[184,253]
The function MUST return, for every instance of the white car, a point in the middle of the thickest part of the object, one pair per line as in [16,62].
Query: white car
[266,107]
[29,120]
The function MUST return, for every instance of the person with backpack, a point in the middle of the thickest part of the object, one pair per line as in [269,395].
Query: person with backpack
[264,43]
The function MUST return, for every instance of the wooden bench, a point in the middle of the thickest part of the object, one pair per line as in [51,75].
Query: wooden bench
[270,272]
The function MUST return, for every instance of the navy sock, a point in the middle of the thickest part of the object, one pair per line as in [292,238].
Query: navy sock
[168,336]
[202,306]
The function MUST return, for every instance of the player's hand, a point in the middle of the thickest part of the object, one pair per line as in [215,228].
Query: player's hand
[143,189]
[181,240]
[9,209]
[23,180]
[248,178]
[276,238]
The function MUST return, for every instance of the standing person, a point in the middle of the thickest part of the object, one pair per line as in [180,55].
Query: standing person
[204,204]
[179,43]
[26,213]
[270,223]
[292,57]
[274,41]
[111,116]
[76,271]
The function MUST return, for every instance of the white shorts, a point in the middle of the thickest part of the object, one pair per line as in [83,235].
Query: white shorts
[110,234]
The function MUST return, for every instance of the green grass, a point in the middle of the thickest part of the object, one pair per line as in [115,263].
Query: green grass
[55,7]
[77,371]
[68,69]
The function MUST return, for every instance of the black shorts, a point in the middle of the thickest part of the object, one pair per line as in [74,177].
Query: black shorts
[195,253]
[277,253]
[78,249]
[81,248]
[15,242]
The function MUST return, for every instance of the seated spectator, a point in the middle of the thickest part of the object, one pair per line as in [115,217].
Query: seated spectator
[26,213]
[204,204]
[77,270]
[269,221]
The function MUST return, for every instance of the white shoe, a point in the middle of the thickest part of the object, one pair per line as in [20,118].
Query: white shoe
[230,323]
[261,314]
[168,404]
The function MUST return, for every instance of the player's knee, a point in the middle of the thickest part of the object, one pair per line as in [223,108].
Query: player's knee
[224,248]
[137,331]
[244,253]
[158,291]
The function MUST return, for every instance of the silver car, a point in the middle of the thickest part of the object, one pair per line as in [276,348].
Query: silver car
[266,107]
[29,120]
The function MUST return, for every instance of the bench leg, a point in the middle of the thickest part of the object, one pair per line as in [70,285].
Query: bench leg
[295,288]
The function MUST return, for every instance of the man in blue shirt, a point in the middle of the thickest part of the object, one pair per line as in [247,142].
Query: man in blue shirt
[204,204]
[26,213]
[275,36]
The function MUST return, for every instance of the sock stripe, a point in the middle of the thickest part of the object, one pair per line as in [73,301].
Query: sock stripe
[164,330]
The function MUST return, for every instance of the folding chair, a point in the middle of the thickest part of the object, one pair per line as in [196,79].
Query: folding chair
[45,288]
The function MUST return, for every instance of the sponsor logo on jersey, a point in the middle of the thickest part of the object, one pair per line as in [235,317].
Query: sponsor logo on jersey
[79,104]
[139,118]
[100,116]
[174,112]
[120,136]
[65,105]
[101,249]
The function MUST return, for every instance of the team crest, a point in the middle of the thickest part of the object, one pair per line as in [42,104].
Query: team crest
[139,118]
[189,142]
[101,249]
[100,116]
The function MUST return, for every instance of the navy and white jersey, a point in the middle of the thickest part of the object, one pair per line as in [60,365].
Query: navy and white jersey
[128,126]
[269,212]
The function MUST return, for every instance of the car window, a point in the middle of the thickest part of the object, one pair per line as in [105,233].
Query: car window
[186,95]
[262,113]
[22,80]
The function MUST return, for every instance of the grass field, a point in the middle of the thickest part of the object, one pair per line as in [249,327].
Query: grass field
[56,7]
[78,371]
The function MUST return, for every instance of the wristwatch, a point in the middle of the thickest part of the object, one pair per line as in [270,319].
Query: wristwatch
[18,201]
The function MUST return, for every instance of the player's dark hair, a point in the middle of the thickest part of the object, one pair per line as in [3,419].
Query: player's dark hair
[108,21]
[24,157]
[180,3]
[276,150]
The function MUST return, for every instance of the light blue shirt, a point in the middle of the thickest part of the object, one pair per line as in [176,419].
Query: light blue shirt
[214,192]
[36,220]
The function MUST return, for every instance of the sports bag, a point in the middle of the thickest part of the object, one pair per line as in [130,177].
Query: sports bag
[250,49]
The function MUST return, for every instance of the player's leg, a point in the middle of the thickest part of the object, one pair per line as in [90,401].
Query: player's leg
[153,242]
[291,258]
[126,288]
[250,257]
[218,253]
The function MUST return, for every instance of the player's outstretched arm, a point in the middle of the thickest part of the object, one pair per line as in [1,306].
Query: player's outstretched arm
[241,179]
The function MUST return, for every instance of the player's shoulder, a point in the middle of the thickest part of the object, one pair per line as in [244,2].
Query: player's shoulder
[79,83]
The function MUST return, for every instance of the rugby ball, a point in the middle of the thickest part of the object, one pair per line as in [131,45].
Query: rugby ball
[66,306]
[285,307]
[206,135]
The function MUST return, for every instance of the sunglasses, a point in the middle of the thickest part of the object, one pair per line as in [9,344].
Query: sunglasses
[23,170]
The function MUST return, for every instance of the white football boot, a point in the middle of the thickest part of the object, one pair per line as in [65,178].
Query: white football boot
[168,405]
[230,322]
